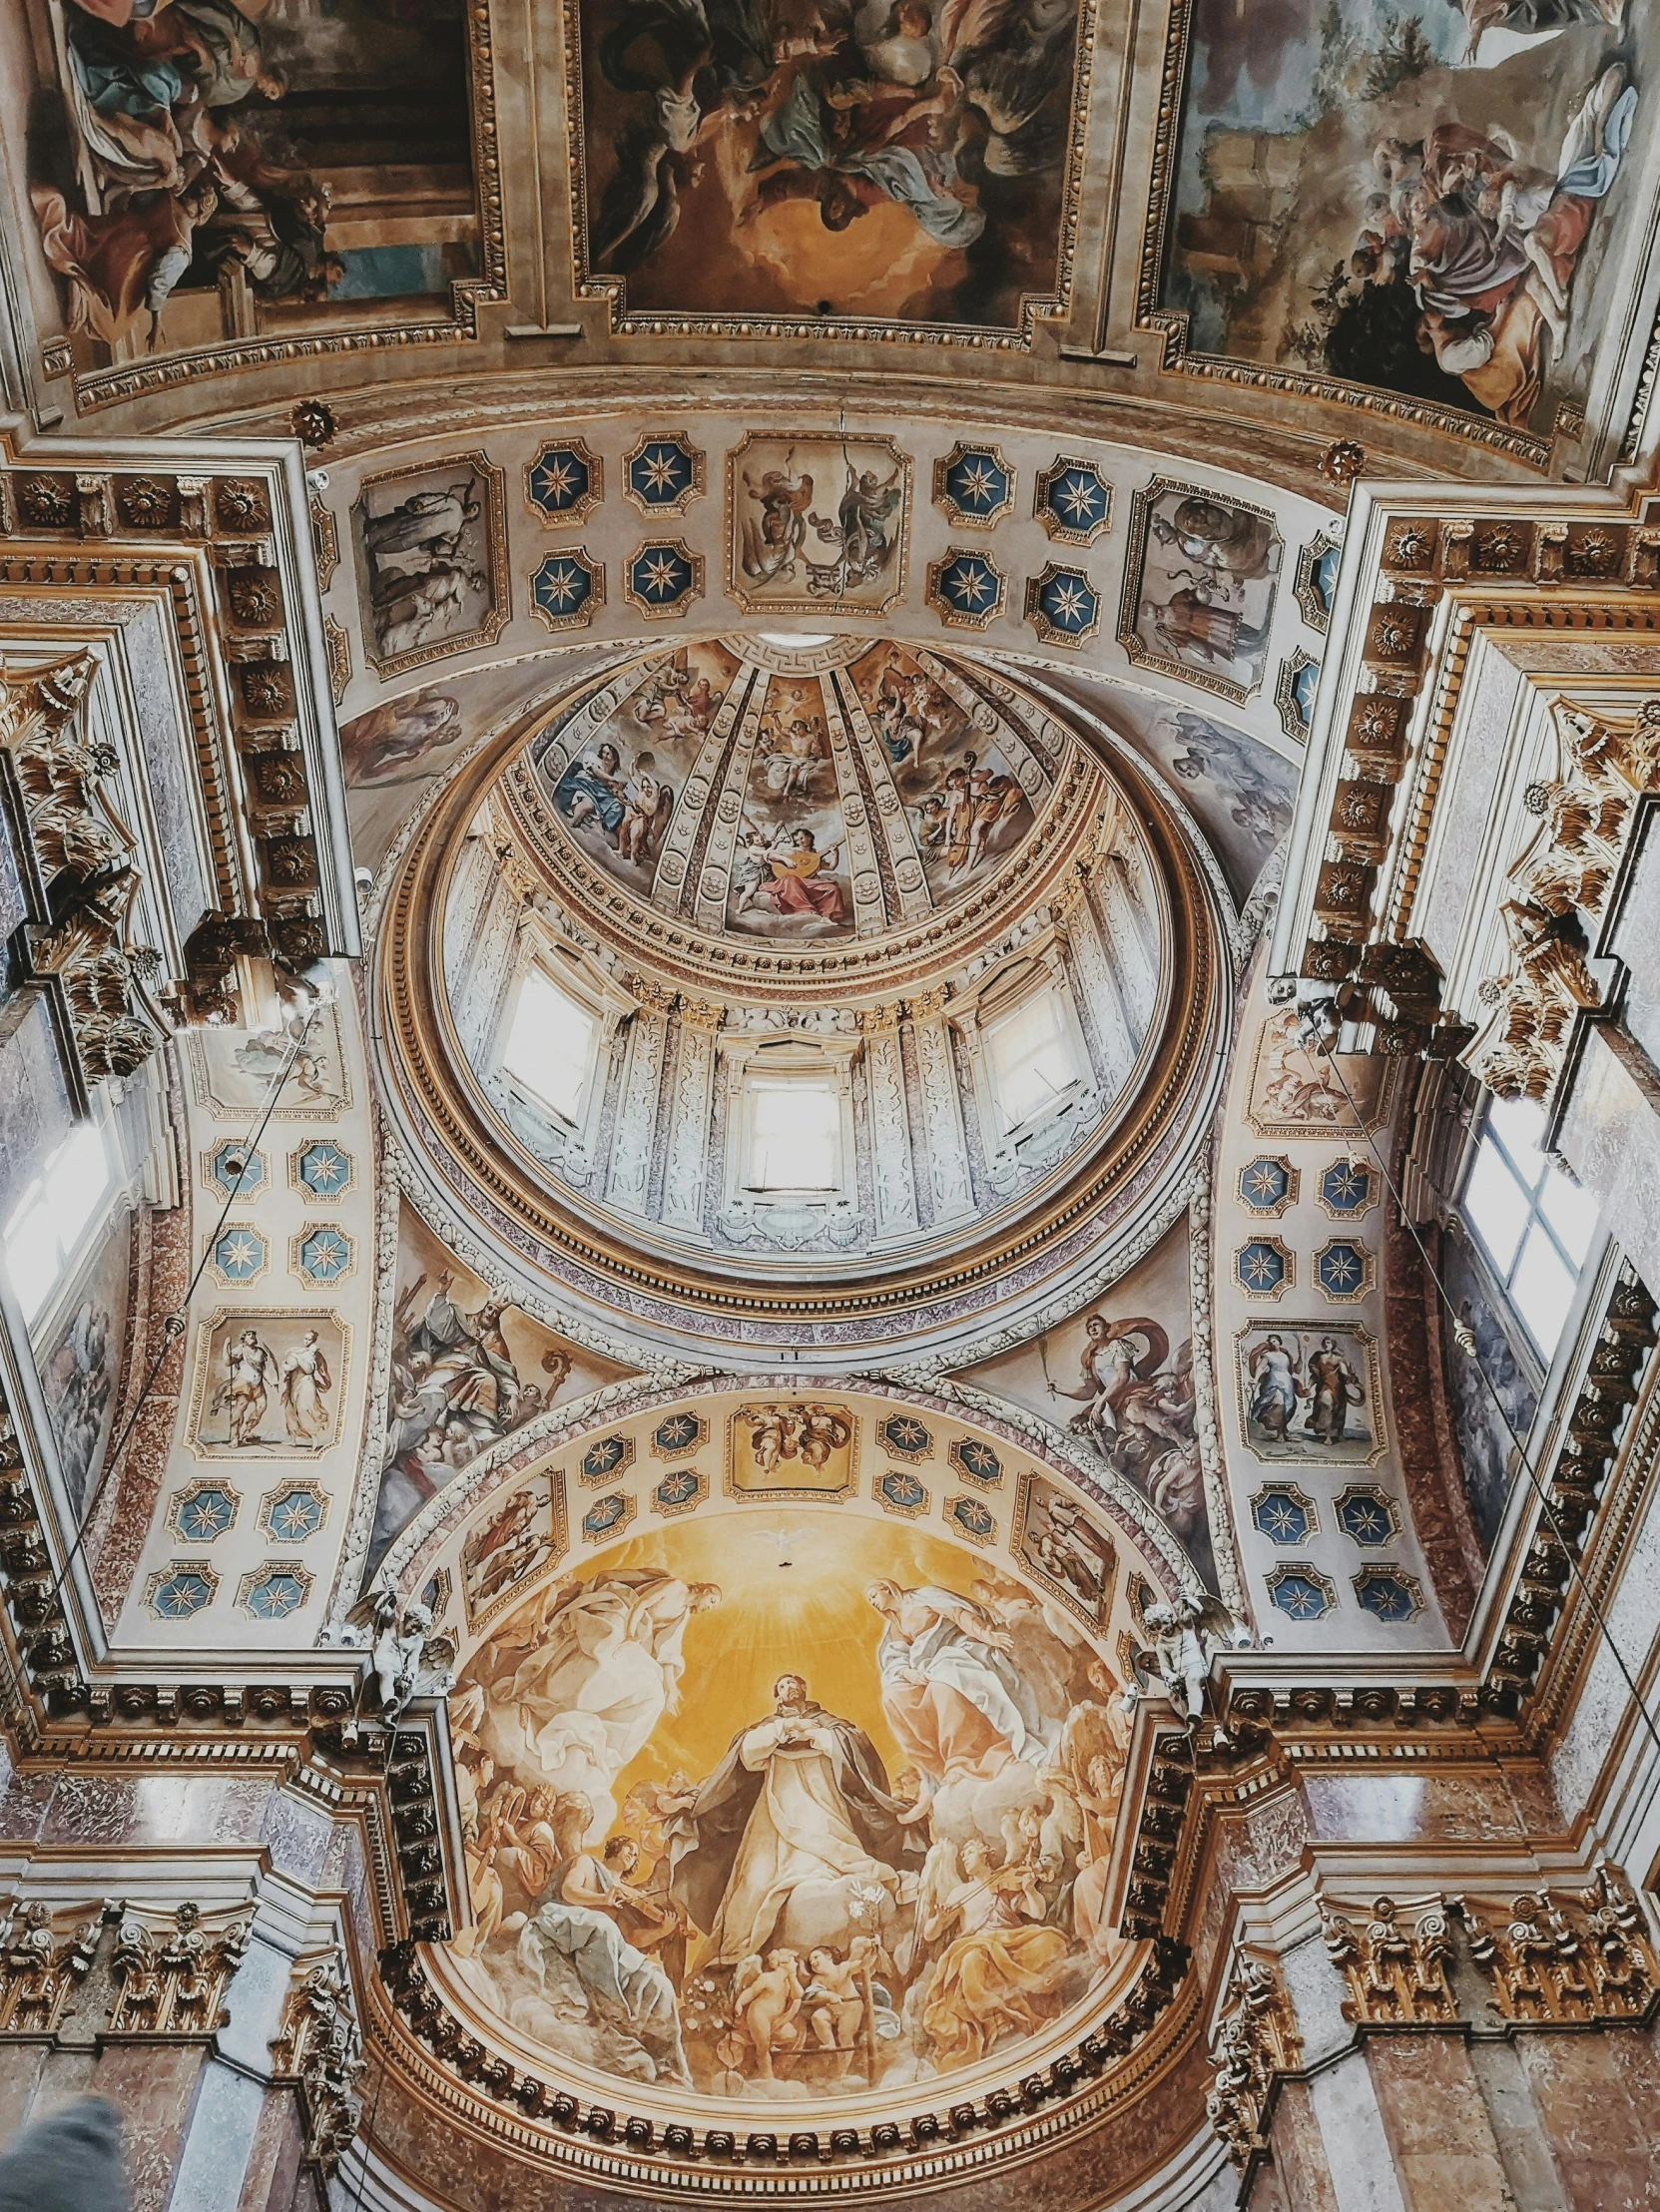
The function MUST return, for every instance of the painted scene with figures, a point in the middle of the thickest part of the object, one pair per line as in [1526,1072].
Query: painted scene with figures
[900,160]
[1430,203]
[784,1836]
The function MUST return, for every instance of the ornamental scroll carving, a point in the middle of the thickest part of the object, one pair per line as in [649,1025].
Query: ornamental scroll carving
[1395,1973]
[1561,886]
[41,1969]
[1561,1958]
[79,880]
[1254,2040]
[173,1981]
[321,2046]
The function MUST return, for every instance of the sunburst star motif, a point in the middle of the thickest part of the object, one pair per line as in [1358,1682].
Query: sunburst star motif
[979,484]
[239,1255]
[559,479]
[1068,602]
[563,585]
[970,584]
[661,575]
[660,468]
[1079,496]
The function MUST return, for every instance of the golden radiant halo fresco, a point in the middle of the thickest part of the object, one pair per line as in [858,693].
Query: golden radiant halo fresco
[712,1893]
[931,1283]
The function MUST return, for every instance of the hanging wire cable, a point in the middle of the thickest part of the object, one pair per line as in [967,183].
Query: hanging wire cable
[1314,1043]
[172,1328]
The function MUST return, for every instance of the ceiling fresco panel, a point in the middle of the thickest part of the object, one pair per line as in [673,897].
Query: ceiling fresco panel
[1435,205]
[231,175]
[839,161]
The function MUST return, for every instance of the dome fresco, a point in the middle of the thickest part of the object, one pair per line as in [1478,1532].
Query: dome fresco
[838,798]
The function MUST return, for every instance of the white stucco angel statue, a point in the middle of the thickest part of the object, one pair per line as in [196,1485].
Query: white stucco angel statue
[1186,1631]
[405,1658]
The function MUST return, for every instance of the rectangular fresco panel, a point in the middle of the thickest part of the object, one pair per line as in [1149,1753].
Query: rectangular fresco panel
[1199,586]
[1310,1394]
[81,1369]
[431,562]
[1064,1547]
[817,525]
[513,1544]
[268,1383]
[903,160]
[1297,1092]
[225,169]
[1430,203]
[232,1070]
[792,1451]
[1490,1392]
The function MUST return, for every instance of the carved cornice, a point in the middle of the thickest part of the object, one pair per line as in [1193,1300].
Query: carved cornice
[1421,596]
[223,555]
[884,2154]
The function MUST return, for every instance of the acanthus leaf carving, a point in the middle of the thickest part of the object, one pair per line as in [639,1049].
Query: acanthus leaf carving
[321,2046]
[1394,1974]
[174,1982]
[41,1969]
[1565,1959]
[1254,2040]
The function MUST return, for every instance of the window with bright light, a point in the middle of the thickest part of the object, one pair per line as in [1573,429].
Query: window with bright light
[1029,1053]
[50,1221]
[550,1044]
[1535,1226]
[794,1135]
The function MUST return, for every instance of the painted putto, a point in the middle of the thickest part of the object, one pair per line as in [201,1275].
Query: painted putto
[782,1839]
[902,158]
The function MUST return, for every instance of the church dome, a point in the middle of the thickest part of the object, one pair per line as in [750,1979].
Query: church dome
[786,987]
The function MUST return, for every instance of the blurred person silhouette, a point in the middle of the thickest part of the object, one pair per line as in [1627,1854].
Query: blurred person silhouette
[69,2161]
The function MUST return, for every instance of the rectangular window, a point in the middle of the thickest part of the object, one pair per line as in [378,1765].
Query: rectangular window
[1029,1054]
[550,1044]
[1535,1226]
[794,1135]
[49,1223]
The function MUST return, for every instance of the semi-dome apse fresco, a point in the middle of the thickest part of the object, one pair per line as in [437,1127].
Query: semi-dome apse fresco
[787,1807]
